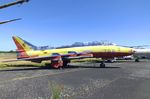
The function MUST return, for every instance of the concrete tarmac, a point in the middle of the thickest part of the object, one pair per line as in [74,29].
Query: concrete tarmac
[121,80]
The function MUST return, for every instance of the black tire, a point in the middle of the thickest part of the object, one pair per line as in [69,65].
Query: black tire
[137,60]
[102,65]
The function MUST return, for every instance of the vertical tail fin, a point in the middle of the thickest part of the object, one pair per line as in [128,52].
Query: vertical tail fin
[22,45]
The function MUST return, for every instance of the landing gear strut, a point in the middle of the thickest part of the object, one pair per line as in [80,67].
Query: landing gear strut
[57,62]
[102,64]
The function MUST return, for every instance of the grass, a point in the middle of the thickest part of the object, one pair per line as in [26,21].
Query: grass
[56,90]
[21,64]
[7,56]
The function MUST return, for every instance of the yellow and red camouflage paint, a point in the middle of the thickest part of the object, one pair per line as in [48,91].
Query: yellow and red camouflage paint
[98,51]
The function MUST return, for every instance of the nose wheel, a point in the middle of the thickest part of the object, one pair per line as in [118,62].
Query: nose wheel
[137,60]
[102,64]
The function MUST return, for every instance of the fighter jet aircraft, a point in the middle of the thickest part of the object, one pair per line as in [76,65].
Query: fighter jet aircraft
[61,57]
[11,4]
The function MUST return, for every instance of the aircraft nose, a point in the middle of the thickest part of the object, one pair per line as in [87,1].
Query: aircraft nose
[133,51]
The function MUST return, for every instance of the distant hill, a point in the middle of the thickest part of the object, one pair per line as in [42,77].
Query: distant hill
[8,51]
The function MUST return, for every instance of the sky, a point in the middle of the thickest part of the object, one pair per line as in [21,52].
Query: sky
[63,22]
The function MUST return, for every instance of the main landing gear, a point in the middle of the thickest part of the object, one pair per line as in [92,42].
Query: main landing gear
[59,63]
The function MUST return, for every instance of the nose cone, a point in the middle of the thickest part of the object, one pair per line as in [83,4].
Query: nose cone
[130,50]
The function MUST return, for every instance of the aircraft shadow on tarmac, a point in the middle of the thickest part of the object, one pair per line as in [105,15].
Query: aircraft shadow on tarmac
[50,68]
[77,66]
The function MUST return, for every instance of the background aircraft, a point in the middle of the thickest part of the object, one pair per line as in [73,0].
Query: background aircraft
[9,21]
[11,4]
[141,53]
[62,56]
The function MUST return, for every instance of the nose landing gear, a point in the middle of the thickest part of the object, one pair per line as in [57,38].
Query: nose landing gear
[137,60]
[102,64]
